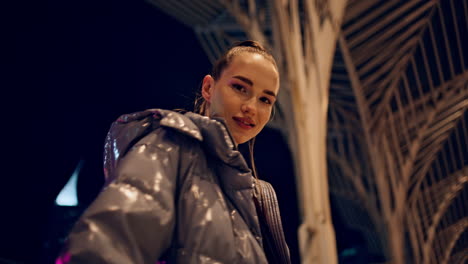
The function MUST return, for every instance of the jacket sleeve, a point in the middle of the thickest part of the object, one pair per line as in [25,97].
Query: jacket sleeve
[132,219]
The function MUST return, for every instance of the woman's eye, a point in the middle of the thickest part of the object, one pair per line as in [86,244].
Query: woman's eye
[265,100]
[239,87]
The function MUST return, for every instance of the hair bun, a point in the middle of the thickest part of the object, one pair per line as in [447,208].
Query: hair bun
[249,43]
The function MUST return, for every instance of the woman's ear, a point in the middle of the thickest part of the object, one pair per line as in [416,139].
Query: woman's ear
[207,87]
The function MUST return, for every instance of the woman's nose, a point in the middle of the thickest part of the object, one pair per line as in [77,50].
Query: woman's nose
[249,106]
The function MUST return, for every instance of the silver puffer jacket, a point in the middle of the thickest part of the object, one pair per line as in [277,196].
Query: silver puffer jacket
[177,189]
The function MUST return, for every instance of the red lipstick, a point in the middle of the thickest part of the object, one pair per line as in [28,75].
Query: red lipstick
[244,122]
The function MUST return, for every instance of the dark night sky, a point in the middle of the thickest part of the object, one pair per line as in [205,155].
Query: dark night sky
[75,67]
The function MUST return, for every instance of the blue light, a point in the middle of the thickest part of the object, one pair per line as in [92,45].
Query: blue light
[349,252]
[68,196]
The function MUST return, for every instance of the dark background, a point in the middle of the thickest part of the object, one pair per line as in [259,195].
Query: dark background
[72,68]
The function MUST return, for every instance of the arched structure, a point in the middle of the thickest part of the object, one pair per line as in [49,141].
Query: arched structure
[397,140]
[376,93]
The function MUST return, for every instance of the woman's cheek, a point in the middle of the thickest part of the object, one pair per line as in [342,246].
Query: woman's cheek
[266,112]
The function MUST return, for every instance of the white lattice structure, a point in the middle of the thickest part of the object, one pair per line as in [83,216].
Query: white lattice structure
[376,92]
[398,127]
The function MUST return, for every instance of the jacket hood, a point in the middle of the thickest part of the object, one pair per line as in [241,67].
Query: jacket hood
[128,129]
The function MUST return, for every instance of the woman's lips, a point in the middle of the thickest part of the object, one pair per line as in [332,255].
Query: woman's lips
[245,123]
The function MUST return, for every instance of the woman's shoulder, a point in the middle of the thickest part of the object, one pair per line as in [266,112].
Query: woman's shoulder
[139,123]
[151,127]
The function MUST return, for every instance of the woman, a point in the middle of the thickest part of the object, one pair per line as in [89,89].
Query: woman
[178,189]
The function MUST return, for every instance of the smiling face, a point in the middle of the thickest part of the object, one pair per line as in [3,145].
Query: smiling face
[243,95]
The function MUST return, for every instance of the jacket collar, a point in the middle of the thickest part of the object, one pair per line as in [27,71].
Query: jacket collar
[212,132]
[234,175]
[218,142]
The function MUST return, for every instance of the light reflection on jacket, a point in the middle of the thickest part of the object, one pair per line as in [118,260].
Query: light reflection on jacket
[176,189]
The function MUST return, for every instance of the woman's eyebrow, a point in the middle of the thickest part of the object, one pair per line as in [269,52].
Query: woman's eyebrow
[249,82]
[270,93]
[242,78]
